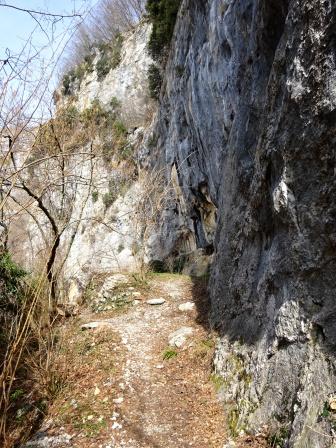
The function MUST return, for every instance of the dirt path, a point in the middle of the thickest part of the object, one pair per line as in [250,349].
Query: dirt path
[167,403]
[130,387]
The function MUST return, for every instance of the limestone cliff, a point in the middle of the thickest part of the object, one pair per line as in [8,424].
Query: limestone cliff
[246,117]
[91,182]
[243,137]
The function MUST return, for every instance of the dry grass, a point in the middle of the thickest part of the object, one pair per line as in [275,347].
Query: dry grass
[82,373]
[84,407]
[22,400]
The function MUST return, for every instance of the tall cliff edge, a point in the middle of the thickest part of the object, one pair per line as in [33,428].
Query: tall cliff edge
[247,118]
[243,136]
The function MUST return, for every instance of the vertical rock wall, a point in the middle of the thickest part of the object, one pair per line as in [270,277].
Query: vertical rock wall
[247,116]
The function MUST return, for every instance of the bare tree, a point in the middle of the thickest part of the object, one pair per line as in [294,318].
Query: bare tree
[101,25]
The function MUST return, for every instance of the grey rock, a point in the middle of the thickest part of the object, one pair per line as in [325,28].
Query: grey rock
[248,123]
[179,337]
[159,301]
[42,440]
[97,324]
[187,306]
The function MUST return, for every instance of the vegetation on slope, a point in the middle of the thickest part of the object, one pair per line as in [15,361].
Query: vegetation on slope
[162,14]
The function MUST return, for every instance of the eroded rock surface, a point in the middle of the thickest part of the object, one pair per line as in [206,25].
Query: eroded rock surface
[250,96]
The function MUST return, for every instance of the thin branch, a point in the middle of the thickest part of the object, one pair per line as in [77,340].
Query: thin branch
[41,13]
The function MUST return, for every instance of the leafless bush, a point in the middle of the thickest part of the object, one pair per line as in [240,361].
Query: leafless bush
[104,22]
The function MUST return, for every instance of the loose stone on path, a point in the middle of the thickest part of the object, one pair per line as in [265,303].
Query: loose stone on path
[187,306]
[179,337]
[159,301]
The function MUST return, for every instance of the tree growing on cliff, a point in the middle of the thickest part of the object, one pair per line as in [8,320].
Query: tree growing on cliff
[104,23]
[162,14]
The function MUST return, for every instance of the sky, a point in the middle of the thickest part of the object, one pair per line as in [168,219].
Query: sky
[48,41]
[17,26]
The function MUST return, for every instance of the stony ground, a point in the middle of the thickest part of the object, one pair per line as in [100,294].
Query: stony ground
[128,379]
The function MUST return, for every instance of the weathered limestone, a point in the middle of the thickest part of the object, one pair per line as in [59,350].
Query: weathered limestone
[247,120]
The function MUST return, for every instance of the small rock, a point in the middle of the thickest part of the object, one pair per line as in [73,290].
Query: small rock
[137,302]
[97,391]
[159,301]
[43,441]
[116,425]
[188,306]
[179,337]
[136,294]
[98,324]
[118,400]
[159,366]
[230,444]
[332,403]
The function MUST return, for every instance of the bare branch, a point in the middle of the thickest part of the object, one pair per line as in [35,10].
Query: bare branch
[40,13]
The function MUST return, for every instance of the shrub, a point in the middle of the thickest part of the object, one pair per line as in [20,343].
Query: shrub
[119,129]
[162,14]
[97,115]
[94,196]
[70,116]
[152,141]
[112,194]
[74,77]
[169,354]
[108,199]
[10,275]
[154,81]
[126,152]
[110,57]
[119,136]
[115,103]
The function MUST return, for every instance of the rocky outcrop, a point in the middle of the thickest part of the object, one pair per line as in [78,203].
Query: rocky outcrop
[246,119]
[244,139]
[126,83]
[98,210]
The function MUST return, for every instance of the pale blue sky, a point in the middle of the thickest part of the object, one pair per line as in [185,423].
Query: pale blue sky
[46,46]
[15,26]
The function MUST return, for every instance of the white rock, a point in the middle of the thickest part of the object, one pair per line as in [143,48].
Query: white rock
[97,391]
[97,324]
[179,337]
[187,306]
[116,425]
[43,441]
[159,301]
[118,400]
[230,444]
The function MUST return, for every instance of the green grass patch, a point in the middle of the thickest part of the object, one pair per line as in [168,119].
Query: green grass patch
[169,354]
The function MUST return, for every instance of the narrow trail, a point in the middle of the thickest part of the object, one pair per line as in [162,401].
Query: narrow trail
[172,403]
[132,386]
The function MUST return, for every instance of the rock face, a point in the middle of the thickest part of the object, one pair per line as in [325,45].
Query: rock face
[244,136]
[102,223]
[127,83]
[246,121]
